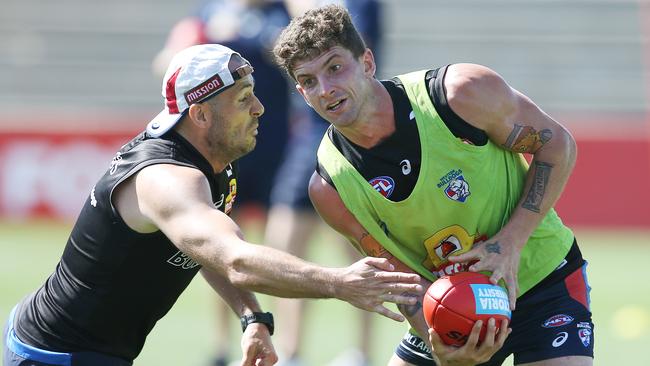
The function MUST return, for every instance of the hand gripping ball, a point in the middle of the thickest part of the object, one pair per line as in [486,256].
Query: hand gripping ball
[452,305]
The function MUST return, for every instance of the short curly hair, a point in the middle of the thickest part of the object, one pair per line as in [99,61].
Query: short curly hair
[315,32]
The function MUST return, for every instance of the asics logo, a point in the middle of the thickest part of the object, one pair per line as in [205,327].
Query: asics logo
[406,166]
[560,339]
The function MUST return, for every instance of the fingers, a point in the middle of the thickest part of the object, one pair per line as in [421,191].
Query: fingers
[439,348]
[266,361]
[472,341]
[403,299]
[380,309]
[247,360]
[504,332]
[512,293]
[400,277]
[479,266]
[511,285]
[380,263]
[435,340]
[401,288]
[465,257]
[488,341]
[264,358]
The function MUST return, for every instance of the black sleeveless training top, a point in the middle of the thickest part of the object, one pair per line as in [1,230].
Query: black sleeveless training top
[112,284]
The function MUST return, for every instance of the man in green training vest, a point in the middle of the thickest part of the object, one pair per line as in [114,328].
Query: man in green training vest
[426,170]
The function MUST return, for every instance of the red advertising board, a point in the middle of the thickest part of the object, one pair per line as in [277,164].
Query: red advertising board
[51,174]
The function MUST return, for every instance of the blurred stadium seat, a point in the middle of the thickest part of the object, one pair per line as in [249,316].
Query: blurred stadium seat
[85,67]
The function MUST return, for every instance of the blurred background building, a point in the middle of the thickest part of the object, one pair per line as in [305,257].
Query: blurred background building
[77,80]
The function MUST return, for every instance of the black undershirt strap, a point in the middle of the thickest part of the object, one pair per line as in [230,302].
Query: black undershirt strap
[381,160]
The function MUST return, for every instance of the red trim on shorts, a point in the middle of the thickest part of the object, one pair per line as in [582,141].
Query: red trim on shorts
[576,285]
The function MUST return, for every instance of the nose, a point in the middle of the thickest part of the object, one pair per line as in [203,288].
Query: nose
[325,87]
[257,110]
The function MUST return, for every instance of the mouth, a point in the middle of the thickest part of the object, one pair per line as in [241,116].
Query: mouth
[332,107]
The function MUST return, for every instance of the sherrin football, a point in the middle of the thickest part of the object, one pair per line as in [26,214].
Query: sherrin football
[452,304]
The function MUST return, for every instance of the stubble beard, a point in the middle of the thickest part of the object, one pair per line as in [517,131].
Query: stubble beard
[222,146]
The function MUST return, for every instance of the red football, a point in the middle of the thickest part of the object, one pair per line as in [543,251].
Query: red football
[454,303]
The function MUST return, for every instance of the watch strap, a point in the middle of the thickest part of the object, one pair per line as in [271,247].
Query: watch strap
[257,317]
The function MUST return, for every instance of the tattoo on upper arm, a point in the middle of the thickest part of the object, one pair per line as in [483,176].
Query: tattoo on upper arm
[370,246]
[535,195]
[409,310]
[525,139]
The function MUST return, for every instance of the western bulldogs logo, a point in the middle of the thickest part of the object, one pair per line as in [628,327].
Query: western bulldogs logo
[181,260]
[458,189]
[447,246]
[232,194]
[384,185]
[557,321]
[585,336]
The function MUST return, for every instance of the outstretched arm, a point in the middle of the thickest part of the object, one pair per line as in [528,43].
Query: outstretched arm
[177,200]
[330,207]
[511,120]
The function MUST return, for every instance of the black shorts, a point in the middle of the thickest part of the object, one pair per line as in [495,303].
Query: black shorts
[18,353]
[550,321]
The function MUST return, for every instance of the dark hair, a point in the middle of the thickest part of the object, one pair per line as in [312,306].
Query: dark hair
[315,32]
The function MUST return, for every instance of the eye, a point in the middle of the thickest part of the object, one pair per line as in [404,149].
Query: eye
[335,67]
[245,98]
[307,82]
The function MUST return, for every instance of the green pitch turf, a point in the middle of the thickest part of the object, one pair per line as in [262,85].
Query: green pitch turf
[618,273]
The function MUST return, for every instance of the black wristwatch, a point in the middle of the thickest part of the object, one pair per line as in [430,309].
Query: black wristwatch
[264,318]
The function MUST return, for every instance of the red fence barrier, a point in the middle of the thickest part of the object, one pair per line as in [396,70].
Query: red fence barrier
[610,184]
[51,174]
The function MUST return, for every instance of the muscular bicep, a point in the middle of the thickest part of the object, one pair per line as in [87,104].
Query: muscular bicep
[510,119]
[177,200]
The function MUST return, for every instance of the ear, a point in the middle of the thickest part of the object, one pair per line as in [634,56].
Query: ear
[302,92]
[199,115]
[369,65]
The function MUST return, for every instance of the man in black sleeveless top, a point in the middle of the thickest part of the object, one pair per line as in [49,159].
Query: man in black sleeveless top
[159,215]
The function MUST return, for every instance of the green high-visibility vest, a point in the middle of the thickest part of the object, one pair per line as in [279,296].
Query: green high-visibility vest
[464,194]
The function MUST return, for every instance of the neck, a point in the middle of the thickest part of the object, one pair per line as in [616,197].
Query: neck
[218,163]
[376,119]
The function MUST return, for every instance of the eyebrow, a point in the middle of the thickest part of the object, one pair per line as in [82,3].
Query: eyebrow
[298,76]
[246,84]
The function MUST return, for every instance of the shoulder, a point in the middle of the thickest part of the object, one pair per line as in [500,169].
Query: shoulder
[464,81]
[320,191]
[478,94]
[165,189]
[164,180]
[157,191]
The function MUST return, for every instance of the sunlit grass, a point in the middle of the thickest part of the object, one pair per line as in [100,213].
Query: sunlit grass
[618,273]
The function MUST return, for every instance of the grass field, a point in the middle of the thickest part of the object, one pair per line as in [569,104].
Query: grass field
[619,274]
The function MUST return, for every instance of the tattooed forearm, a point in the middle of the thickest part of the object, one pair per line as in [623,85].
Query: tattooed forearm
[527,139]
[493,247]
[535,195]
[409,310]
